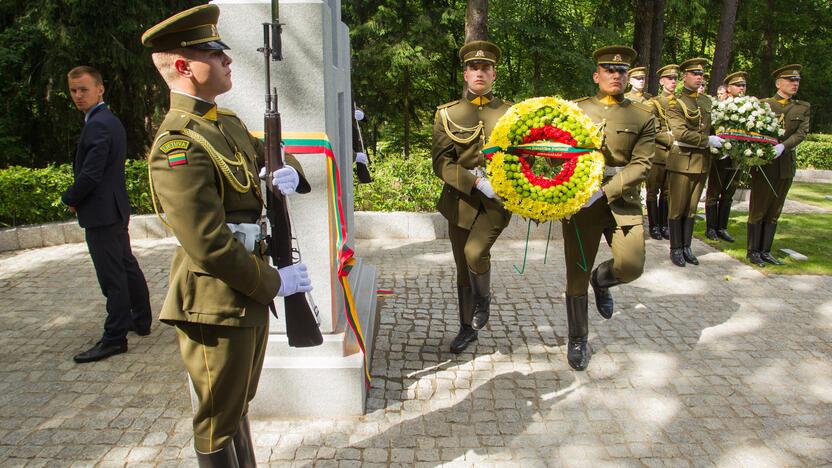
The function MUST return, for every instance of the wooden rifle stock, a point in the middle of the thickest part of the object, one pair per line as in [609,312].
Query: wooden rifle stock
[302,327]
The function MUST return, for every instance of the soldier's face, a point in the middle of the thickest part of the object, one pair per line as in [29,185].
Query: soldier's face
[693,80]
[610,82]
[85,92]
[787,87]
[479,77]
[637,82]
[722,93]
[736,90]
[209,71]
[669,83]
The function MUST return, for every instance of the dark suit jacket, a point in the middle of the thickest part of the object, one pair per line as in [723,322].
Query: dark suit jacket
[99,193]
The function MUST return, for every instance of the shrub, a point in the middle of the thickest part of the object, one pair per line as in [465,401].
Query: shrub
[815,154]
[824,137]
[400,184]
[33,196]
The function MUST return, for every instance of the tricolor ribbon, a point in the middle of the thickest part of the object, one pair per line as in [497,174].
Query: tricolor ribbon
[733,134]
[541,148]
[318,143]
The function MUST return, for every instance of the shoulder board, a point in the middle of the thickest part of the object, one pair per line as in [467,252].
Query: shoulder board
[801,103]
[642,106]
[447,104]
[224,111]
[581,99]
[175,121]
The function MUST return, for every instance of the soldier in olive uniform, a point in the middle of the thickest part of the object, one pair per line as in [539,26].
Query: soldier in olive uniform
[689,115]
[474,213]
[722,180]
[204,169]
[766,205]
[638,79]
[614,211]
[657,180]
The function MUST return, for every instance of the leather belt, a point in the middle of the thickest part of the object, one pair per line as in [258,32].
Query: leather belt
[610,171]
[685,145]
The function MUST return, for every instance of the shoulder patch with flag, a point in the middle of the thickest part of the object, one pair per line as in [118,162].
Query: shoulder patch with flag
[175,151]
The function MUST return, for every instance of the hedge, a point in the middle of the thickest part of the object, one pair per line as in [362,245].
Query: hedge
[400,184]
[33,196]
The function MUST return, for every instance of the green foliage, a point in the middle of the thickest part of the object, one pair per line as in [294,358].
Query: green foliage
[33,196]
[823,137]
[400,184]
[815,155]
[41,40]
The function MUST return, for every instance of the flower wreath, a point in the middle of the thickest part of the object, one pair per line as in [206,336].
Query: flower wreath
[751,129]
[544,161]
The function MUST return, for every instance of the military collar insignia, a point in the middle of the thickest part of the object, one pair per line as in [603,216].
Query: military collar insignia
[480,100]
[781,99]
[193,105]
[609,100]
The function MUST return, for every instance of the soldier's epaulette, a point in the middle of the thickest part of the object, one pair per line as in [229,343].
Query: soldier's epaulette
[581,99]
[224,111]
[641,106]
[802,103]
[447,104]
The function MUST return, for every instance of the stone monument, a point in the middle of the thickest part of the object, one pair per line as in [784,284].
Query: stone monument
[315,102]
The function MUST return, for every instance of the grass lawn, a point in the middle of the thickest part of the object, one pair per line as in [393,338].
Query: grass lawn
[809,234]
[811,194]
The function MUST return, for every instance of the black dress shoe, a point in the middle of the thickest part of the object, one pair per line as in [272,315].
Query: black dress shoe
[768,257]
[689,256]
[711,234]
[723,234]
[578,353]
[100,351]
[665,232]
[466,336]
[656,232]
[687,253]
[601,280]
[481,289]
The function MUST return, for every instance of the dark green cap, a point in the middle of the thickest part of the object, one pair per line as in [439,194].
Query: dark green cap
[615,55]
[195,28]
[788,72]
[479,51]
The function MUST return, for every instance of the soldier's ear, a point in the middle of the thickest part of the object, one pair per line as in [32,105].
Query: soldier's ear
[596,77]
[182,66]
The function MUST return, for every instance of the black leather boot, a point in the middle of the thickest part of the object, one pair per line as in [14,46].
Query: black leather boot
[677,241]
[466,335]
[244,445]
[755,232]
[225,457]
[711,221]
[663,217]
[724,213]
[481,287]
[602,280]
[653,219]
[767,240]
[578,350]
[686,252]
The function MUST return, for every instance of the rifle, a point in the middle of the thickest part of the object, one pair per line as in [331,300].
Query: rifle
[302,327]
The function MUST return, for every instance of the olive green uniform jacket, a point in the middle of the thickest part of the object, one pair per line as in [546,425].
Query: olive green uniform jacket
[795,119]
[203,169]
[689,116]
[629,143]
[643,97]
[664,137]
[460,130]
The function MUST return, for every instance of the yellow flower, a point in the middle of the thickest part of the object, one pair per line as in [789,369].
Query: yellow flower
[527,207]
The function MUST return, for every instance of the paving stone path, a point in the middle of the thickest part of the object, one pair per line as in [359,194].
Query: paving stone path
[716,365]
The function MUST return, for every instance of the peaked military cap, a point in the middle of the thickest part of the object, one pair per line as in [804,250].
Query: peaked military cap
[789,71]
[737,78]
[195,28]
[638,72]
[616,55]
[694,64]
[479,51]
[670,69]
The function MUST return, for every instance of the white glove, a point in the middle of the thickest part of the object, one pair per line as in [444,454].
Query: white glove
[593,198]
[484,186]
[294,279]
[361,158]
[359,114]
[286,180]
[715,141]
[778,150]
[263,175]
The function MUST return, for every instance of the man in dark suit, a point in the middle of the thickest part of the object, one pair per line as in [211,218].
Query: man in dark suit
[99,198]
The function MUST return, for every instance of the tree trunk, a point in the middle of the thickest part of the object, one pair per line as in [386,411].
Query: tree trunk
[476,21]
[643,30]
[767,56]
[724,44]
[406,86]
[656,46]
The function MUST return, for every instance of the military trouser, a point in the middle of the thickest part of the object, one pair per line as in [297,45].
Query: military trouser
[766,205]
[722,183]
[224,364]
[472,252]
[685,191]
[583,232]
[657,183]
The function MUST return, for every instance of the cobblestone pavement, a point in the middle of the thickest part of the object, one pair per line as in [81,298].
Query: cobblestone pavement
[711,365]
